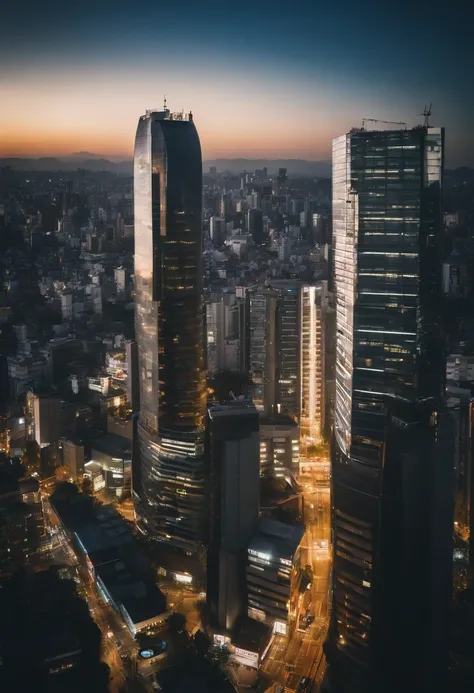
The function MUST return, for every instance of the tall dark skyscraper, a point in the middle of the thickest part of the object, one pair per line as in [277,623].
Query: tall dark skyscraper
[234,457]
[387,234]
[255,225]
[169,328]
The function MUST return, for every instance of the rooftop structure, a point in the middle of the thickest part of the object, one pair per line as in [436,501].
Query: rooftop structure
[122,572]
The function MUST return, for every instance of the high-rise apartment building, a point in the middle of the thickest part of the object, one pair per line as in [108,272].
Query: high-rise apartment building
[225,337]
[312,361]
[387,234]
[262,347]
[274,348]
[288,329]
[44,420]
[169,323]
[287,352]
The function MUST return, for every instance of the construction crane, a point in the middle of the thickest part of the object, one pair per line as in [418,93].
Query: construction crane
[386,122]
[427,113]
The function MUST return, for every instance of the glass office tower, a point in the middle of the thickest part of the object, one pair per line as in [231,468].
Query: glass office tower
[312,362]
[169,328]
[387,236]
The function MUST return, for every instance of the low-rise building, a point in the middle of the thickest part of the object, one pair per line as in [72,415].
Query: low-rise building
[274,574]
[113,454]
[106,548]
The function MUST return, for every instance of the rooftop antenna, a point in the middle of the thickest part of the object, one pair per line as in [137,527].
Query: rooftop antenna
[164,103]
[427,113]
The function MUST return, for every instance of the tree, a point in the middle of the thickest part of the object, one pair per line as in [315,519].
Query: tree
[38,611]
[202,643]
[176,622]
[220,655]
[178,638]
[202,608]
[87,488]
[321,450]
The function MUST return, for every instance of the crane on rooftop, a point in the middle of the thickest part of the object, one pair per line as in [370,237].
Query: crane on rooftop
[386,122]
[426,113]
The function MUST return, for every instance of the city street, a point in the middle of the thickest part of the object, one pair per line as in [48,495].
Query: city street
[117,641]
[289,659]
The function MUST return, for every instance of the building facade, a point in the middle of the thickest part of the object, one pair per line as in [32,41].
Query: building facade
[387,235]
[262,347]
[169,325]
[225,338]
[274,574]
[234,464]
[312,361]
[287,352]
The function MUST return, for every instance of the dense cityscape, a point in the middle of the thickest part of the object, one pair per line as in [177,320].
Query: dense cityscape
[236,365]
[237,419]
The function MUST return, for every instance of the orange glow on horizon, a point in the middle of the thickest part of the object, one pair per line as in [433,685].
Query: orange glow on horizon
[98,111]
[47,142]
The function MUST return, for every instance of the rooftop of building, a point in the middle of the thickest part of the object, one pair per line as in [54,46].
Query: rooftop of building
[276,538]
[252,635]
[93,468]
[127,586]
[243,406]
[106,539]
[166,114]
[112,444]
[278,420]
[175,562]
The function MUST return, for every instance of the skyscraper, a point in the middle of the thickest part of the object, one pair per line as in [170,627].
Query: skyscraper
[387,226]
[169,327]
[234,456]
[262,347]
[274,347]
[287,352]
[224,339]
[255,226]
[312,361]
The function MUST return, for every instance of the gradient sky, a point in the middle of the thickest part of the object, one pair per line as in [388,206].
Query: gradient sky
[264,79]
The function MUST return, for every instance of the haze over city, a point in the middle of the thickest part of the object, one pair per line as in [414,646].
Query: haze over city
[262,80]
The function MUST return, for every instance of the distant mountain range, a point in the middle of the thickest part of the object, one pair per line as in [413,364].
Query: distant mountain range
[96,162]
[69,163]
[119,164]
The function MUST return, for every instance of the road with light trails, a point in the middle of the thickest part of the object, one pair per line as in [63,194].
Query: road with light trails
[289,659]
[116,638]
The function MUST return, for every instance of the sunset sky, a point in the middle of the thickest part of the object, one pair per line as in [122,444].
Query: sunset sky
[263,79]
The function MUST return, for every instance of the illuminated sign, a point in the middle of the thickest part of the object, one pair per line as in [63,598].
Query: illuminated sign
[245,657]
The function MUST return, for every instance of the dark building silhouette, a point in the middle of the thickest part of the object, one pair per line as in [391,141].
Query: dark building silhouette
[233,446]
[391,459]
[43,609]
[255,225]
